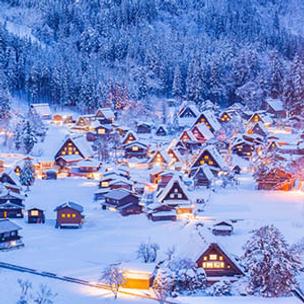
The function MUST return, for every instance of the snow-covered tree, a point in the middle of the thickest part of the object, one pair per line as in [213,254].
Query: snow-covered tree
[28,137]
[44,295]
[112,275]
[163,285]
[147,252]
[27,174]
[270,263]
[25,293]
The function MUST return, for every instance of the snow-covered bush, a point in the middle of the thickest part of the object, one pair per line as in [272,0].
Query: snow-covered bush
[221,288]
[188,278]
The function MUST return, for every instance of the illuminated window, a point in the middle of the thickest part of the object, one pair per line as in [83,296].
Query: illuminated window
[212,257]
[205,258]
[175,190]
[179,195]
[172,195]
[101,131]
[214,265]
[211,162]
[202,162]
[221,258]
[34,213]
[68,215]
[63,215]
[135,148]
[206,157]
[73,215]
[104,184]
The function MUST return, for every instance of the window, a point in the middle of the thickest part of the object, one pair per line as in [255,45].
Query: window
[214,265]
[212,257]
[206,157]
[175,190]
[63,215]
[34,213]
[101,131]
[179,195]
[73,215]
[135,148]
[68,215]
[202,162]
[104,184]
[211,162]
[172,195]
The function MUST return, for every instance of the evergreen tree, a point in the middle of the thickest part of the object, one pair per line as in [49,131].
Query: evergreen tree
[28,137]
[162,285]
[27,174]
[271,264]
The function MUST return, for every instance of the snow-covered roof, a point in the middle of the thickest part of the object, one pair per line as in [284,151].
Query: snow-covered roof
[8,226]
[42,109]
[135,143]
[214,153]
[70,205]
[211,118]
[202,128]
[275,104]
[190,135]
[206,170]
[175,179]
[106,112]
[128,134]
[89,163]
[11,173]
[118,194]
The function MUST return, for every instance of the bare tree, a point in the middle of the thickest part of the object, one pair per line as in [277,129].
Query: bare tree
[112,275]
[26,287]
[44,295]
[147,252]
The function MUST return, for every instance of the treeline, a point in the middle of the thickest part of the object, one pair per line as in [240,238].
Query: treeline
[225,51]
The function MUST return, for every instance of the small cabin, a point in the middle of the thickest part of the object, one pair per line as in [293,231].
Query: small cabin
[258,129]
[274,107]
[42,110]
[138,276]
[69,215]
[105,115]
[103,130]
[161,131]
[187,114]
[11,205]
[35,216]
[135,149]
[9,235]
[159,212]
[222,228]
[218,264]
[121,200]
[143,128]
[159,159]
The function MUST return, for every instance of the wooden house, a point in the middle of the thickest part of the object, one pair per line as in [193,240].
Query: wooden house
[35,216]
[102,130]
[135,149]
[255,118]
[225,117]
[257,128]
[68,119]
[10,181]
[105,115]
[159,212]
[211,157]
[73,150]
[201,133]
[82,123]
[187,114]
[160,158]
[202,176]
[244,145]
[57,119]
[69,215]
[217,264]
[11,204]
[261,117]
[42,110]
[222,228]
[143,128]
[275,179]
[209,120]
[129,137]
[9,235]
[161,131]
[137,276]
[86,168]
[122,200]
[274,107]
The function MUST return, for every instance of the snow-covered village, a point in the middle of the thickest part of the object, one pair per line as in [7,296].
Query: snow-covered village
[151,151]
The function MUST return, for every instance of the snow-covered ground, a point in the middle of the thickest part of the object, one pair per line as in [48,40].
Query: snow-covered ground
[107,237]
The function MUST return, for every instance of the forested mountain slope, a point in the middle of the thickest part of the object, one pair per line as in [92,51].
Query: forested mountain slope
[224,50]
